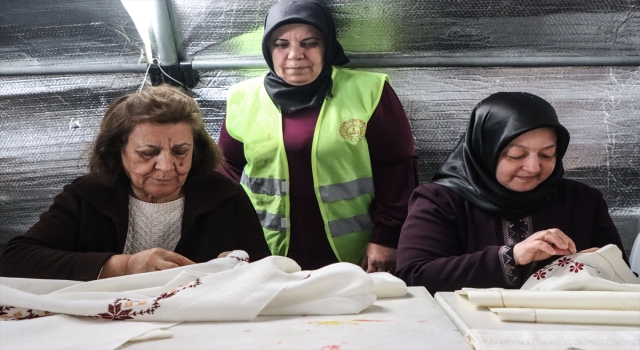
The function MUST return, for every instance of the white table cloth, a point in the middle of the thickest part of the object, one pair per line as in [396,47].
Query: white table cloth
[482,339]
[413,321]
[589,288]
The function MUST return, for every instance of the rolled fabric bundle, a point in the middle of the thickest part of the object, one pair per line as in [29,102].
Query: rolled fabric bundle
[585,300]
[598,317]
[340,288]
[386,285]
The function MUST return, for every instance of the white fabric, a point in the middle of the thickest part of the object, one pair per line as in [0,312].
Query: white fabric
[36,286]
[220,290]
[584,288]
[239,255]
[386,285]
[153,225]
[634,258]
[600,317]
[227,289]
[319,292]
[602,270]
[153,334]
[71,332]
[580,300]
[482,339]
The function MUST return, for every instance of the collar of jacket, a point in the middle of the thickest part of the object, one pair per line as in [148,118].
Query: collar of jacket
[201,196]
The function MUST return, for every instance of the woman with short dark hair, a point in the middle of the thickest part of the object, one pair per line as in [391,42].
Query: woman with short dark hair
[152,200]
[162,104]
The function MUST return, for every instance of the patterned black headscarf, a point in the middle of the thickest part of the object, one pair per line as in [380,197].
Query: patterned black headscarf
[470,170]
[288,97]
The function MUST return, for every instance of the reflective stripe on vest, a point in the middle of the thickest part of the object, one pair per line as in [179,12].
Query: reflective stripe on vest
[340,161]
[262,185]
[342,227]
[347,190]
[273,221]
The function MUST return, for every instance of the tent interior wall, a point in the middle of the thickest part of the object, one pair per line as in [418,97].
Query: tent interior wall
[47,121]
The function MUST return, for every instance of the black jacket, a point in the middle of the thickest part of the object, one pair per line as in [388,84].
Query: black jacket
[87,224]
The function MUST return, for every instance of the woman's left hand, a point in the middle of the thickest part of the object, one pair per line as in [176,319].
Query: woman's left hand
[378,258]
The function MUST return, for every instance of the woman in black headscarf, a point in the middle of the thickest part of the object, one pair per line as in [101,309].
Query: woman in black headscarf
[325,153]
[499,207]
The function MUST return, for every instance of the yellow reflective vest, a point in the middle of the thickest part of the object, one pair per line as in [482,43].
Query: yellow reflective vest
[340,162]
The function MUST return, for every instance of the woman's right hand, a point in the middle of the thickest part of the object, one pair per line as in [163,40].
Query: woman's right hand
[542,245]
[154,259]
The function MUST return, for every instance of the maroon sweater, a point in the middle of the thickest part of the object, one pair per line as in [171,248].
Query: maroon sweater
[393,162]
[448,243]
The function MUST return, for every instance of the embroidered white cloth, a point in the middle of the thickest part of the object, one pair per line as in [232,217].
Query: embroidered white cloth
[583,288]
[597,280]
[602,270]
[226,289]
[220,290]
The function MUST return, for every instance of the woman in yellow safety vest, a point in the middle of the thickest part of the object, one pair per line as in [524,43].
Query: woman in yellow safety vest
[325,153]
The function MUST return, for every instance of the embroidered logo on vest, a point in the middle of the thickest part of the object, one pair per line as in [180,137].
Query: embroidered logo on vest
[353,130]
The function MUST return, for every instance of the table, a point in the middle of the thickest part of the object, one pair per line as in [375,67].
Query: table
[468,318]
[411,322]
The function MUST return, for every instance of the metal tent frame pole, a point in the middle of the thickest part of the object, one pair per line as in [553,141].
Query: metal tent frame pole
[74,69]
[356,62]
[163,32]
[426,62]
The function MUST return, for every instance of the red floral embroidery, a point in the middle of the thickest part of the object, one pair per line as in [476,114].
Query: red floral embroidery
[240,259]
[10,313]
[4,309]
[576,267]
[34,314]
[116,311]
[539,275]
[563,263]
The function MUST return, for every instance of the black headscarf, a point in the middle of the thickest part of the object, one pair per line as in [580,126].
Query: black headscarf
[288,97]
[470,170]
